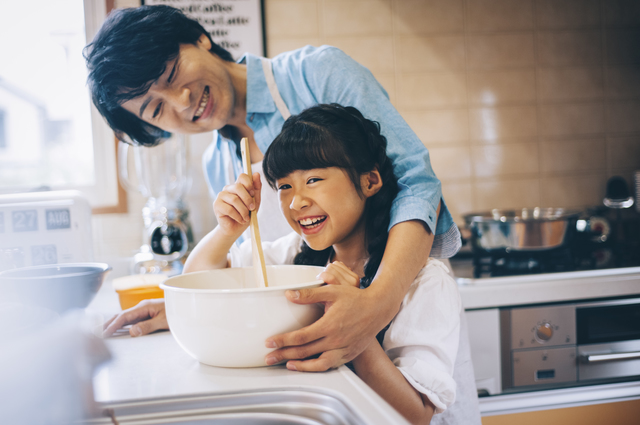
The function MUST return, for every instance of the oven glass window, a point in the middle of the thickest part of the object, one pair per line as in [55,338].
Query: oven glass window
[608,324]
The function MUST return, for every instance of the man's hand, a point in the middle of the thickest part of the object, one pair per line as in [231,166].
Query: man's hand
[146,317]
[338,335]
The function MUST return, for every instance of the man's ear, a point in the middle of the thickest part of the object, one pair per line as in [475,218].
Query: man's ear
[371,183]
[204,41]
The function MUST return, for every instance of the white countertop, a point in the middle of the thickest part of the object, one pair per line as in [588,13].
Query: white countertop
[548,288]
[155,367]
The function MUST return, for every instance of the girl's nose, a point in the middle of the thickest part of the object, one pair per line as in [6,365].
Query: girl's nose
[299,202]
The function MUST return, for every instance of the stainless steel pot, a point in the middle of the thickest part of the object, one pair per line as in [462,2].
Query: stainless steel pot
[528,229]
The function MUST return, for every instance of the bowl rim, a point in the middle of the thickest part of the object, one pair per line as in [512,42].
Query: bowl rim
[303,285]
[97,267]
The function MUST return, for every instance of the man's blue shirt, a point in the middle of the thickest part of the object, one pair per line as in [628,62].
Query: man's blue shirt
[313,75]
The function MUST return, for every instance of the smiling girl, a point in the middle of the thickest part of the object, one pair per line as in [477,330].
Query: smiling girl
[336,186]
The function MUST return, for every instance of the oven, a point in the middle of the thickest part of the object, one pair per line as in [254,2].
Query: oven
[532,347]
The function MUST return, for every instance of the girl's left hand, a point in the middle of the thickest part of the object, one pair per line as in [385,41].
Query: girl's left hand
[337,273]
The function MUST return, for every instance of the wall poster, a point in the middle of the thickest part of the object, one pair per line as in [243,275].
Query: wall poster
[236,25]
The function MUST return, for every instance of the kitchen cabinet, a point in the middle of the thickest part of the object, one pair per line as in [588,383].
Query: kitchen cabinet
[620,413]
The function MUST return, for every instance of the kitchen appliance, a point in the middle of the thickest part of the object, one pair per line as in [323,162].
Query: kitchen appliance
[222,317]
[161,175]
[39,228]
[559,345]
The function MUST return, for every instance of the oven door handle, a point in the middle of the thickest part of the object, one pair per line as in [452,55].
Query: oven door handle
[594,358]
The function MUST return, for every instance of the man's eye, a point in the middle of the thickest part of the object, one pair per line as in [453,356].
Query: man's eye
[157,110]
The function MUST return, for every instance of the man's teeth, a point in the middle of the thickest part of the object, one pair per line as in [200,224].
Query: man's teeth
[312,222]
[203,103]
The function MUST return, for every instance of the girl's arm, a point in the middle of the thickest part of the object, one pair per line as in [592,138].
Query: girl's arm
[378,371]
[232,208]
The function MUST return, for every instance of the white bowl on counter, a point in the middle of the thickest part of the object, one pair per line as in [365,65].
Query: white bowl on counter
[222,318]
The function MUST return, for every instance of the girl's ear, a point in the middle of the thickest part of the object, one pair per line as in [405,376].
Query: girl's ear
[371,183]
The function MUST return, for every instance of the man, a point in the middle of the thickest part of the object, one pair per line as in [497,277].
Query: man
[152,71]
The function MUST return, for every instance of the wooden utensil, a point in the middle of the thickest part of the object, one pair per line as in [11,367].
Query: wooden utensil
[259,267]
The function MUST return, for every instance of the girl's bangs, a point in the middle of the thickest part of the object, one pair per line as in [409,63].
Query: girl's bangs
[303,146]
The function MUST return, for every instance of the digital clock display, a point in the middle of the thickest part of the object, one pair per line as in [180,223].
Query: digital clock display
[58,219]
[25,220]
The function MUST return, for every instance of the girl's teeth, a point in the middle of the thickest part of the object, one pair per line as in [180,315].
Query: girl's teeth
[203,104]
[311,221]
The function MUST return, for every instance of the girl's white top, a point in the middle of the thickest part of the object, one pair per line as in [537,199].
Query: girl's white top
[422,340]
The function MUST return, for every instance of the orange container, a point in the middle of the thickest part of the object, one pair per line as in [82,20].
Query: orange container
[135,288]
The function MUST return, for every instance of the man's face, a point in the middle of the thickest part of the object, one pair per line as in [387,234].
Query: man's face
[194,95]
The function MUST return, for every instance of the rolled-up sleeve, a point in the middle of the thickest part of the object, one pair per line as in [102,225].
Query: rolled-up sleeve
[422,340]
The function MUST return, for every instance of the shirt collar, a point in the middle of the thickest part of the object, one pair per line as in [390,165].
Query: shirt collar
[259,98]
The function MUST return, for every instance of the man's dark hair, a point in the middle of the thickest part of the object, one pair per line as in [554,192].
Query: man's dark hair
[128,54]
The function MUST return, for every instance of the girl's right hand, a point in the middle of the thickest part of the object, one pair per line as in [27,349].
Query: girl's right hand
[233,205]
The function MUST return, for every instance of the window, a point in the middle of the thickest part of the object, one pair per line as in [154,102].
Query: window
[50,134]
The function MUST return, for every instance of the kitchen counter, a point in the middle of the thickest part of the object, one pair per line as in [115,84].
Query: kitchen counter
[154,367]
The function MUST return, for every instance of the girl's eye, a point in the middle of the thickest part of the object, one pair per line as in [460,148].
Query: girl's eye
[157,110]
[313,180]
[284,186]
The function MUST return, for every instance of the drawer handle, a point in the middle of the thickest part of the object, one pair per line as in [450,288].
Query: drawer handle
[593,358]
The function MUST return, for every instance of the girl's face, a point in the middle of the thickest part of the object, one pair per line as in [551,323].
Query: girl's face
[323,206]
[195,94]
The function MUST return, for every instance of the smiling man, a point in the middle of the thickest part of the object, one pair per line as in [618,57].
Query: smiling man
[153,71]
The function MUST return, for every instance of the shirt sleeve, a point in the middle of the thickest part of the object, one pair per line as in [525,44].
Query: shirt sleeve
[423,338]
[333,77]
[281,251]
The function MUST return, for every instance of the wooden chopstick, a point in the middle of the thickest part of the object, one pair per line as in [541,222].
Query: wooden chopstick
[259,268]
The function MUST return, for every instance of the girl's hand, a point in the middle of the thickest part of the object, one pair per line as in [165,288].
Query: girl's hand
[337,273]
[146,317]
[233,204]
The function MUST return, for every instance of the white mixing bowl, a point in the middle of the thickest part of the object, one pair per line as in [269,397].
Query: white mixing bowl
[221,318]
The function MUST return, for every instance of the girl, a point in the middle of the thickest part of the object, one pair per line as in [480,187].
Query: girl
[336,186]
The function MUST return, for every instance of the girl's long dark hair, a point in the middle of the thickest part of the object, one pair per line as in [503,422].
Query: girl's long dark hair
[331,135]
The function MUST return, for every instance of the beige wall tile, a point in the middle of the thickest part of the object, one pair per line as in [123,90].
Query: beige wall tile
[451,163]
[623,116]
[286,18]
[496,87]
[572,119]
[623,82]
[560,14]
[432,89]
[275,46]
[500,50]
[573,191]
[624,152]
[428,16]
[506,194]
[621,12]
[577,47]
[439,126]
[573,155]
[376,53]
[459,199]
[502,160]
[503,123]
[344,18]
[622,46]
[432,53]
[570,83]
[497,15]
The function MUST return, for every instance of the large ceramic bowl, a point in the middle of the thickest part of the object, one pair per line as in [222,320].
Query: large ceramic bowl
[221,318]
[58,287]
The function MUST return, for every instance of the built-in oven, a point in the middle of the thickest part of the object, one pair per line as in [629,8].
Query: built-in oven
[559,345]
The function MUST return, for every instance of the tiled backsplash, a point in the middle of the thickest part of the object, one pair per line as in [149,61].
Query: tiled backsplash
[521,103]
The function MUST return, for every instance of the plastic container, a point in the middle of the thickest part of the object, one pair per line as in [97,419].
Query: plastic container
[135,288]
